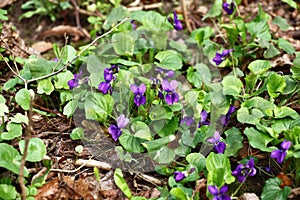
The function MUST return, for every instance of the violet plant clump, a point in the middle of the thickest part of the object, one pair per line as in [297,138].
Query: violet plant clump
[280,154]
[75,81]
[179,176]
[243,171]
[228,7]
[116,130]
[139,94]
[109,77]
[176,23]
[224,119]
[218,145]
[220,57]
[170,89]
[218,194]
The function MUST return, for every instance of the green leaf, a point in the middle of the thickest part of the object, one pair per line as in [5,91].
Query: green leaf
[98,106]
[199,74]
[23,98]
[263,105]
[259,29]
[154,20]
[231,32]
[218,164]
[202,34]
[276,85]
[258,139]
[196,159]
[286,46]
[121,183]
[259,67]
[233,142]
[10,159]
[179,194]
[3,106]
[158,143]
[271,51]
[130,142]
[70,108]
[191,97]
[13,130]
[232,85]
[68,54]
[19,118]
[281,125]
[117,14]
[194,78]
[10,84]
[159,112]
[251,80]
[123,43]
[291,3]
[215,11]
[36,149]
[39,66]
[45,86]
[284,111]
[281,22]
[95,67]
[169,60]
[77,134]
[7,192]
[272,190]
[141,130]
[252,116]
[62,80]
[170,127]
[164,155]
[2,15]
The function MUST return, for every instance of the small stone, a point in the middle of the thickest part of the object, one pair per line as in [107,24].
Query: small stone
[248,196]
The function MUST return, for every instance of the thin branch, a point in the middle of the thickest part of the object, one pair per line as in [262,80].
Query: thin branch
[185,15]
[11,69]
[82,164]
[23,160]
[79,54]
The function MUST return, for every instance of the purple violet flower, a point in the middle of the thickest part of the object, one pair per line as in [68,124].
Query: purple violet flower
[224,119]
[139,94]
[218,146]
[165,73]
[108,75]
[219,58]
[116,130]
[204,119]
[170,88]
[187,120]
[179,176]
[218,194]
[105,87]
[177,24]
[242,171]
[279,154]
[75,81]
[134,26]
[229,8]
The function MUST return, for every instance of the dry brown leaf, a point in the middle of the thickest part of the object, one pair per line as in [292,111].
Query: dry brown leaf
[61,30]
[281,61]
[285,180]
[12,42]
[42,46]
[47,190]
[4,3]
